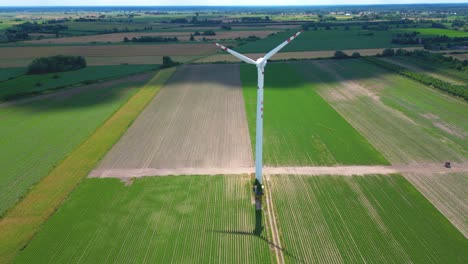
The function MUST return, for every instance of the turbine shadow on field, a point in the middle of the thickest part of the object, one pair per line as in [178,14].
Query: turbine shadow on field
[196,76]
[256,232]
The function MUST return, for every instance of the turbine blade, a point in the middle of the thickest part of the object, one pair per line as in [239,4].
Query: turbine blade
[237,55]
[275,50]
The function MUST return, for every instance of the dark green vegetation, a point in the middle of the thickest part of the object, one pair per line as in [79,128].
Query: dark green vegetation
[371,219]
[27,85]
[457,90]
[10,73]
[59,63]
[181,219]
[35,136]
[300,128]
[335,39]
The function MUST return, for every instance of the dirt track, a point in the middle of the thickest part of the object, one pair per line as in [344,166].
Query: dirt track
[197,120]
[334,170]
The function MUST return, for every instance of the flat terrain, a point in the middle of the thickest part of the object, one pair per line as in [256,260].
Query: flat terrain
[181,36]
[300,128]
[437,32]
[160,219]
[438,71]
[292,55]
[36,135]
[21,56]
[335,39]
[38,83]
[406,121]
[372,219]
[447,192]
[197,120]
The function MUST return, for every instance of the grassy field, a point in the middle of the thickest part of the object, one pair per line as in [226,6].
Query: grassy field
[22,221]
[405,120]
[300,128]
[437,31]
[38,83]
[180,219]
[323,40]
[35,136]
[8,73]
[439,70]
[362,219]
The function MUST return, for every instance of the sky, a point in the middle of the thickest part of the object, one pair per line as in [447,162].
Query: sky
[208,2]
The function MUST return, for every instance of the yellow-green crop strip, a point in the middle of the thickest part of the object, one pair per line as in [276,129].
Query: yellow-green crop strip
[21,222]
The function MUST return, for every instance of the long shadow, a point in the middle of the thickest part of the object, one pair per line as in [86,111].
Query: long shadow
[223,75]
[256,232]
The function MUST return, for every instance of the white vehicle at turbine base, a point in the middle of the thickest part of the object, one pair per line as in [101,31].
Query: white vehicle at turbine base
[260,63]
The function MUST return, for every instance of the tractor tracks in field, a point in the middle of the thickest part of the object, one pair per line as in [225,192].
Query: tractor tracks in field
[429,168]
[270,211]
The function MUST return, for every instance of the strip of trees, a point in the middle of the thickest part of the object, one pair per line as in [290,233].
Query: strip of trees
[59,63]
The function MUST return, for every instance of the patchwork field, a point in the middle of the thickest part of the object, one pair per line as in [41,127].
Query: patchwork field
[36,135]
[292,55]
[107,50]
[338,39]
[196,121]
[37,83]
[406,121]
[371,219]
[300,128]
[197,219]
[181,36]
[447,192]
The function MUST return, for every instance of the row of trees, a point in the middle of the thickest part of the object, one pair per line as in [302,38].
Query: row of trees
[151,39]
[21,32]
[57,63]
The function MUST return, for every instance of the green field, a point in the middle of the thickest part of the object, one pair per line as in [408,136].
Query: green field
[300,128]
[37,83]
[180,219]
[405,120]
[323,40]
[8,73]
[35,136]
[440,70]
[362,219]
[437,31]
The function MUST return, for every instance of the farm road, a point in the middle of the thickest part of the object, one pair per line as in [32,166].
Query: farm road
[334,170]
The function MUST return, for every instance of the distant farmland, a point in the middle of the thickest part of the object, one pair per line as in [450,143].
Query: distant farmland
[338,39]
[37,83]
[36,135]
[300,127]
[371,219]
[193,219]
[21,56]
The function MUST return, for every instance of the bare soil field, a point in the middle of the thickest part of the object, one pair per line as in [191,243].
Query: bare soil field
[197,120]
[293,55]
[108,50]
[400,138]
[447,192]
[182,36]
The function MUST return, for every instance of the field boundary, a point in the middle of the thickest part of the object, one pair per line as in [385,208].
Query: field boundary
[306,170]
[19,224]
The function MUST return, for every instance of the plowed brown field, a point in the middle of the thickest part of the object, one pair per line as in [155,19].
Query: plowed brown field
[197,120]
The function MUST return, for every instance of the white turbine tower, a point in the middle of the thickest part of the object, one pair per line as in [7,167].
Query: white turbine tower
[260,63]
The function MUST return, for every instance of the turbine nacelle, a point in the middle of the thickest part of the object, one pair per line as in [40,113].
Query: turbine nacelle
[261,62]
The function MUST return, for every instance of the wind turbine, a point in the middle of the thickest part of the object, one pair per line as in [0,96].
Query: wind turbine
[260,63]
